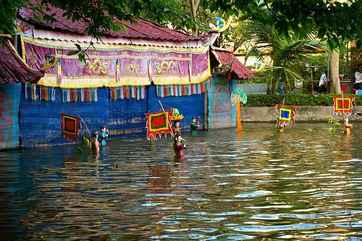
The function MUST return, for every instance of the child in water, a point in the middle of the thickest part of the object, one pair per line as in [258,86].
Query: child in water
[177,128]
[195,124]
[95,143]
[104,133]
[179,146]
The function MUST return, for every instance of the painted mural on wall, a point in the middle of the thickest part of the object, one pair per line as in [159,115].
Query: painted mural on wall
[9,110]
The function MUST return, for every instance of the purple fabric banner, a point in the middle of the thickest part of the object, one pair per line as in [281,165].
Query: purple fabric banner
[114,68]
[36,57]
[200,63]
[131,69]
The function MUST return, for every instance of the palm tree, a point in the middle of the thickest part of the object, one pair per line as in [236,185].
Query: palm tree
[284,51]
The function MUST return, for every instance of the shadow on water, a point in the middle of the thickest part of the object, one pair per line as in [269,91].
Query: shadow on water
[303,184]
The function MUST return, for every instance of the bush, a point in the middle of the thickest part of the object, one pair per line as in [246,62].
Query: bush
[295,99]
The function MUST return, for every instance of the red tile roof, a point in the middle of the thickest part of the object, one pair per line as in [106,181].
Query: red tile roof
[139,29]
[13,69]
[228,58]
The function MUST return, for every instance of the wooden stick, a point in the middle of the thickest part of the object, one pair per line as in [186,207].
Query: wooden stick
[169,122]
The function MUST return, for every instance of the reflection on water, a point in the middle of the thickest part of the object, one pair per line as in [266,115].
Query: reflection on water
[303,184]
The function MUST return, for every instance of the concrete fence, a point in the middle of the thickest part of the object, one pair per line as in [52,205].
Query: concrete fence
[304,113]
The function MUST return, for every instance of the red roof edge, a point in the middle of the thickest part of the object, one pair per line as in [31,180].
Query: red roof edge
[13,69]
[226,57]
[136,29]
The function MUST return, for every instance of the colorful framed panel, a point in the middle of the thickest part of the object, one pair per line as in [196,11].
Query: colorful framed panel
[342,104]
[158,123]
[70,126]
[285,114]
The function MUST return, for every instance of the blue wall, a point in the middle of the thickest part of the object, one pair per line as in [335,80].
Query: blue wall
[188,106]
[221,113]
[40,121]
[9,112]
[127,117]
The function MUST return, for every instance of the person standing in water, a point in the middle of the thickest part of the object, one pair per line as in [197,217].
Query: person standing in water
[179,147]
[104,133]
[95,143]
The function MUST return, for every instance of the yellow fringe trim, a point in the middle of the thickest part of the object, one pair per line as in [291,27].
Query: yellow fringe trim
[173,80]
[51,80]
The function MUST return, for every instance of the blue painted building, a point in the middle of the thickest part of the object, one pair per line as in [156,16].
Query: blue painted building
[13,70]
[228,71]
[40,121]
[126,75]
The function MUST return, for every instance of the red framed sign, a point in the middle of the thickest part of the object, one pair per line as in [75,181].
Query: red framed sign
[343,104]
[158,123]
[70,126]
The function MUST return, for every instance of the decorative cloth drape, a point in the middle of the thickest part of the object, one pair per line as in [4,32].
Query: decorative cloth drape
[180,90]
[116,68]
[79,95]
[128,92]
[35,92]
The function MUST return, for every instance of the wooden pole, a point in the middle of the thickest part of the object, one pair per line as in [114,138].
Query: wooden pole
[169,121]
[238,116]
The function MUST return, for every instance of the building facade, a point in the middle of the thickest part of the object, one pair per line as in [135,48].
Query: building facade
[124,76]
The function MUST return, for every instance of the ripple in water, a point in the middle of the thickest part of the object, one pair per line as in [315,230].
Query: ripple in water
[303,184]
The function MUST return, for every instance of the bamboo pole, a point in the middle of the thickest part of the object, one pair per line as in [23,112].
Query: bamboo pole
[238,116]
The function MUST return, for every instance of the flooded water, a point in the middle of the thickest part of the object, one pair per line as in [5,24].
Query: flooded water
[303,184]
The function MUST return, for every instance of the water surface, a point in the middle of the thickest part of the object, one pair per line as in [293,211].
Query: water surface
[303,184]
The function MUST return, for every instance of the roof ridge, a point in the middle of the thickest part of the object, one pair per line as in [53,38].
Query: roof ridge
[139,28]
[129,26]
[164,27]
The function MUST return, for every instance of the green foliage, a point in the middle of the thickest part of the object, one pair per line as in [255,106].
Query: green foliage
[331,20]
[260,77]
[294,99]
[264,100]
[334,125]
[98,14]
[8,12]
[286,52]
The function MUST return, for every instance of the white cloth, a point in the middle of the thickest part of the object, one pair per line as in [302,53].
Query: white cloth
[358,77]
[323,80]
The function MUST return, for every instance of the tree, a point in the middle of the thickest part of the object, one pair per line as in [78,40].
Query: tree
[194,8]
[331,20]
[334,71]
[99,13]
[285,52]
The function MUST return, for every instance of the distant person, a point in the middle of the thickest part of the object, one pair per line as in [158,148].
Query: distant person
[358,77]
[179,147]
[347,127]
[177,128]
[281,88]
[104,133]
[95,143]
[323,83]
[195,124]
[357,80]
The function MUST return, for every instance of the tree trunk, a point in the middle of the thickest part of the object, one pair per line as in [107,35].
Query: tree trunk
[334,72]
[194,7]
